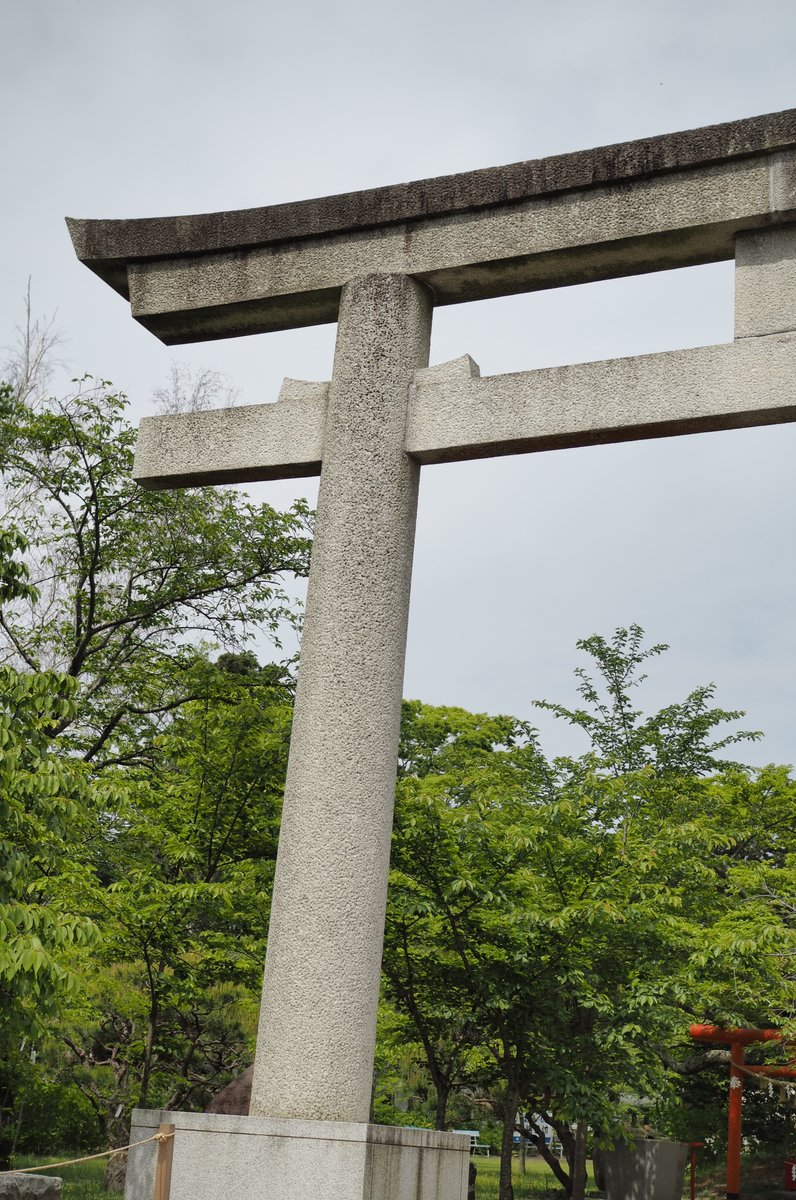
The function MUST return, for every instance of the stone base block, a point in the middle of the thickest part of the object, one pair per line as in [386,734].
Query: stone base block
[267,1158]
[30,1187]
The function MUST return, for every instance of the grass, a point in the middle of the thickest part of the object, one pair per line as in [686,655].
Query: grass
[762,1179]
[81,1182]
[537,1182]
[84,1182]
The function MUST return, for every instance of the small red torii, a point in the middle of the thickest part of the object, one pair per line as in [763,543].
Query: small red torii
[736,1039]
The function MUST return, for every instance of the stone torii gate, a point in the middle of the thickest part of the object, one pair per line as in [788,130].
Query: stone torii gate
[378,262]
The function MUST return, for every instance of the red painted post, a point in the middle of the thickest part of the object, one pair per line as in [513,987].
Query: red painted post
[734,1122]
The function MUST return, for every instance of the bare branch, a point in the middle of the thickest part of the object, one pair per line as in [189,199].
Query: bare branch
[30,363]
[189,392]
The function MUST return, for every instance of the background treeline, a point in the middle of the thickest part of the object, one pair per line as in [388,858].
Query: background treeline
[553,925]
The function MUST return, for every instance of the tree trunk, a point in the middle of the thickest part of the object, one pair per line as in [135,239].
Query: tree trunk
[578,1166]
[17,1127]
[443,1092]
[154,1017]
[506,1189]
[547,1154]
[146,1072]
[7,1103]
[523,1153]
[567,1142]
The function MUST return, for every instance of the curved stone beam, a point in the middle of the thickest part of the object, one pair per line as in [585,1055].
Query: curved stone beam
[649,205]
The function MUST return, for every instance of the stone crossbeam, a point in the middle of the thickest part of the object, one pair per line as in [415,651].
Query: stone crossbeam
[650,205]
[457,415]
[454,414]
[236,445]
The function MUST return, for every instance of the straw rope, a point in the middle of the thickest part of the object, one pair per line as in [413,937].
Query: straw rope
[69,1162]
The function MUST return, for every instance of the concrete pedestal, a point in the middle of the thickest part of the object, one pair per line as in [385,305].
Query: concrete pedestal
[269,1158]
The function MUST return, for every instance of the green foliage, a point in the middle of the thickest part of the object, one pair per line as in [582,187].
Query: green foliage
[552,926]
[43,801]
[575,916]
[46,804]
[129,579]
[183,874]
[140,785]
[678,740]
[538,1183]
[52,1114]
[14,573]
[402,1089]
[81,1182]
[698,1113]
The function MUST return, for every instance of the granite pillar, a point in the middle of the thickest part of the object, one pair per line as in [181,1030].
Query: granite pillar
[320,995]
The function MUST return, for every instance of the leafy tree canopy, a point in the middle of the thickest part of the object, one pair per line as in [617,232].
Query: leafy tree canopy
[579,914]
[126,580]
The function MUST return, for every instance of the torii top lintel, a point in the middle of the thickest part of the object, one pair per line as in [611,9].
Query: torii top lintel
[670,201]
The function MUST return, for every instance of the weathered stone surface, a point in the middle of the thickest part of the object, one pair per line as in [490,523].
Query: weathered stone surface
[115,1173]
[98,243]
[30,1187]
[240,1157]
[320,995]
[644,206]
[456,415]
[765,282]
[256,441]
[650,224]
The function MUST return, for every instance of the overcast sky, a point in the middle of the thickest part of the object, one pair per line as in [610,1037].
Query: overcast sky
[119,109]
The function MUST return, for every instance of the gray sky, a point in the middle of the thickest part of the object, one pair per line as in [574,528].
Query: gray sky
[114,109]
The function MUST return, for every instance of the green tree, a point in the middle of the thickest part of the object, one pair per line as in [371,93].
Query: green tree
[443,751]
[465,831]
[45,804]
[128,580]
[678,741]
[183,873]
[588,908]
[169,873]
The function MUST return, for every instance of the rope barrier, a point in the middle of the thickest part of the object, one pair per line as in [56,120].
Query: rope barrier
[758,1075]
[70,1162]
